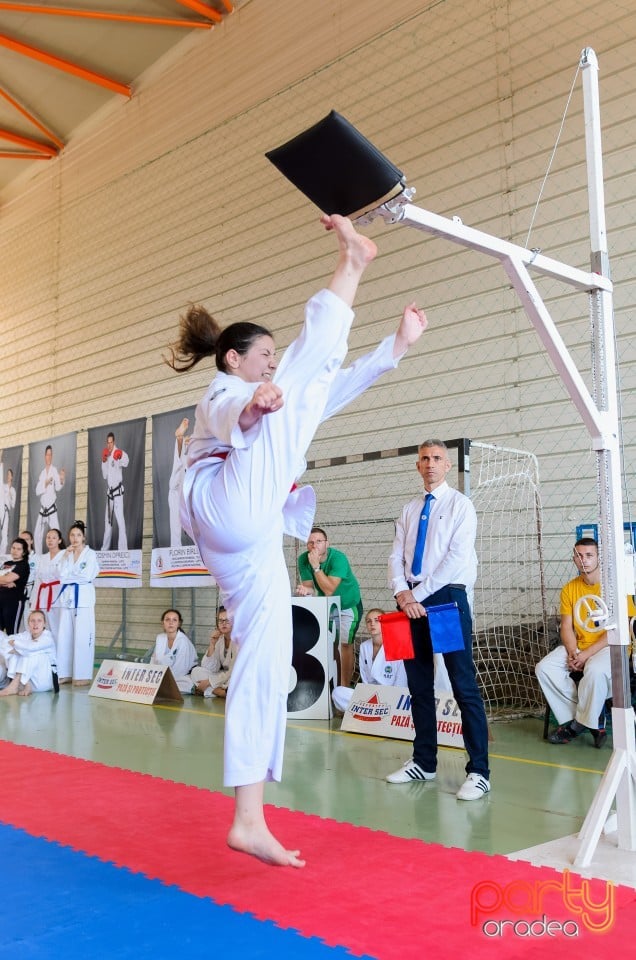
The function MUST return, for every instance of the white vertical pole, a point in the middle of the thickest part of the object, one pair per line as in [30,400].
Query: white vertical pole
[610,498]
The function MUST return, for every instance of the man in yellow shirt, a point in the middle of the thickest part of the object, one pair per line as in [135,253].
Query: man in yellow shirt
[582,658]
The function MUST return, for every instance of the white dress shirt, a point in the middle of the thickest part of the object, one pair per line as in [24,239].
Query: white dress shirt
[449,551]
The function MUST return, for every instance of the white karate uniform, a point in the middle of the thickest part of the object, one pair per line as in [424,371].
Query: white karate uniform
[47,587]
[217,668]
[175,486]
[238,508]
[33,659]
[381,672]
[5,651]
[7,503]
[76,603]
[47,488]
[181,658]
[112,474]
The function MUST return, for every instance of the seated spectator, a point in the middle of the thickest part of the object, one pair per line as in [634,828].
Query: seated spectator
[173,649]
[374,667]
[576,677]
[212,677]
[29,658]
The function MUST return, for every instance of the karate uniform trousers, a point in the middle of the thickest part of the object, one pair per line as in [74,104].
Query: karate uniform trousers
[235,510]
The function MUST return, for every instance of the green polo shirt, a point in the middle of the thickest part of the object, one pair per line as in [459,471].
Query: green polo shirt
[335,564]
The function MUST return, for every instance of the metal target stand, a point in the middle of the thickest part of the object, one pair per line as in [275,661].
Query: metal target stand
[599,413]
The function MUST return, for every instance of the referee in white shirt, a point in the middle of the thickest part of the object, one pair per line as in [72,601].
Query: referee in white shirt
[445,572]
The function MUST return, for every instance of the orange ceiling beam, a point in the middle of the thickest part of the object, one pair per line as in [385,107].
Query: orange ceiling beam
[99,15]
[66,66]
[203,8]
[28,116]
[42,149]
[7,155]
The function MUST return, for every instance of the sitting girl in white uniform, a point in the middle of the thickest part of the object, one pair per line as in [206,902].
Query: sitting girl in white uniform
[30,658]
[175,650]
[374,667]
[211,679]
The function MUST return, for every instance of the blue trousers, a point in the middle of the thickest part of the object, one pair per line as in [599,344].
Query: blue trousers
[461,670]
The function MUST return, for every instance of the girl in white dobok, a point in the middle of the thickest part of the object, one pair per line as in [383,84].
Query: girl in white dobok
[252,430]
[175,650]
[47,584]
[76,602]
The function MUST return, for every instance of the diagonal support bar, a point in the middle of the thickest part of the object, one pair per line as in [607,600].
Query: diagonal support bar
[66,66]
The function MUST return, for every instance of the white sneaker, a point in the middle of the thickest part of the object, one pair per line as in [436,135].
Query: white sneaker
[474,787]
[410,772]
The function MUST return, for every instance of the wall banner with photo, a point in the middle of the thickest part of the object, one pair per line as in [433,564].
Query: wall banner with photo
[10,496]
[176,561]
[115,513]
[51,488]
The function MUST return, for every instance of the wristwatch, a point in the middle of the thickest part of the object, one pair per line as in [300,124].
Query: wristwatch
[316,569]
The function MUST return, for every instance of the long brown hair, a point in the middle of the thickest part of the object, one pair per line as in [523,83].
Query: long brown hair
[200,335]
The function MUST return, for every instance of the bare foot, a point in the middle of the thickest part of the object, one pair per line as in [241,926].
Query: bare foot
[12,689]
[81,683]
[62,680]
[26,690]
[360,250]
[263,845]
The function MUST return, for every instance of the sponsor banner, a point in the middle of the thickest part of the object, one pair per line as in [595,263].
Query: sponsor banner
[180,567]
[386,712]
[176,561]
[51,487]
[115,513]
[137,682]
[10,496]
[119,568]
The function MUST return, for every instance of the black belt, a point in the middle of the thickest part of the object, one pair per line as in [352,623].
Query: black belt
[456,586]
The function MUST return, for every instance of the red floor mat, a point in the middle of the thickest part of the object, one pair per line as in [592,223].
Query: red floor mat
[362,889]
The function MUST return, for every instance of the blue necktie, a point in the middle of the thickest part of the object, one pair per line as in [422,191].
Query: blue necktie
[418,553]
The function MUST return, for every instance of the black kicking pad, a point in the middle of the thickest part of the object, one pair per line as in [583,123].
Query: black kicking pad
[337,168]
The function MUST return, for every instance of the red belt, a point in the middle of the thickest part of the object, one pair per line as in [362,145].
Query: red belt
[49,587]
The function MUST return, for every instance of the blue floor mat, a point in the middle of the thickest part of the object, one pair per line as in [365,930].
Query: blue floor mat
[60,903]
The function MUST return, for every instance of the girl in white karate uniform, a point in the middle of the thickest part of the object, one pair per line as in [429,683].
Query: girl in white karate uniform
[374,667]
[252,430]
[47,584]
[30,658]
[76,602]
[175,650]
[212,678]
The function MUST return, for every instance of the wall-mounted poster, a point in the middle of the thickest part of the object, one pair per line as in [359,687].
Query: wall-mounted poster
[10,487]
[176,561]
[115,514]
[51,489]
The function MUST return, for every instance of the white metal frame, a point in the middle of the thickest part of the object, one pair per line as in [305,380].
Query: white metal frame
[600,417]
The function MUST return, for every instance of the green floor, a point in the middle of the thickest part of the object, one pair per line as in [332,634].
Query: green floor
[539,792]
